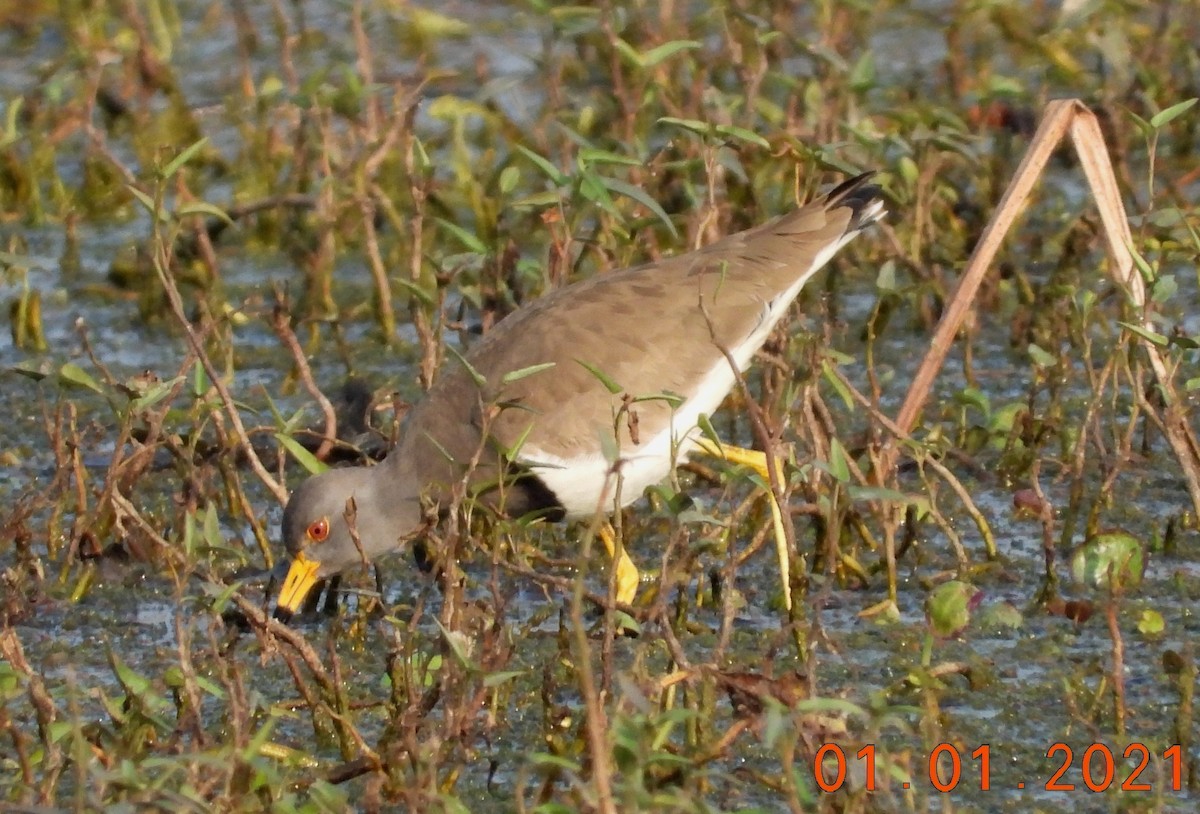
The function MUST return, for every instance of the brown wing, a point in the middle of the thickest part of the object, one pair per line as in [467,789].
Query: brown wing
[650,329]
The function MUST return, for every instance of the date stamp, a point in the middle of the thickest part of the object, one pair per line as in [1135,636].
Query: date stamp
[1097,771]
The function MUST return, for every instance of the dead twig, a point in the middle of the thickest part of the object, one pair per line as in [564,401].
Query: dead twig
[283,330]
[1063,117]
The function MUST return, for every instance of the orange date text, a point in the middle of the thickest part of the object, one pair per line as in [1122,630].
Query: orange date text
[1097,771]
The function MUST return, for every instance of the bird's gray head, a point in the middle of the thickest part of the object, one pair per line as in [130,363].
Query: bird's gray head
[317,529]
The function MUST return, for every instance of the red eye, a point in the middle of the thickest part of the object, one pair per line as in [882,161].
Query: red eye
[318,530]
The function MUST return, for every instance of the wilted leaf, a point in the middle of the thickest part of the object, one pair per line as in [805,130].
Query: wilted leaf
[1027,500]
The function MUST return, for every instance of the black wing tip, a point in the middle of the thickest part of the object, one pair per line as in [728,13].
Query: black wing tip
[864,200]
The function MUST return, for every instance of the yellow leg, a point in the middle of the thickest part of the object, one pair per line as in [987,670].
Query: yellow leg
[627,573]
[758,462]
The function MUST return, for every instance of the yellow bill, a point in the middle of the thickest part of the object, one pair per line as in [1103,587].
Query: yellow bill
[300,579]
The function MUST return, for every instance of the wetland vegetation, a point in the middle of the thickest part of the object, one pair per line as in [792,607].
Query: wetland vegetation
[239,239]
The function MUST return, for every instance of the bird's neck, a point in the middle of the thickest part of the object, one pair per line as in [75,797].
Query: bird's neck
[382,516]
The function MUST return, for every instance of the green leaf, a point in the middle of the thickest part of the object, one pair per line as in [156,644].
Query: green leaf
[609,450]
[209,686]
[880,493]
[183,157]
[1002,615]
[517,375]
[1144,126]
[10,122]
[60,729]
[133,682]
[948,607]
[833,707]
[698,127]
[460,646]
[203,208]
[624,622]
[604,379]
[281,424]
[1151,623]
[433,25]
[479,379]
[509,178]
[885,280]
[469,240]
[862,75]
[1040,357]
[24,261]
[200,382]
[673,400]
[742,134]
[222,595]
[212,528]
[594,155]
[1143,265]
[513,452]
[728,131]
[638,194]
[1171,113]
[255,746]
[775,723]
[627,52]
[1005,417]
[648,59]
[147,202]
[592,187]
[1111,560]
[552,172]
[31,371]
[838,385]
[189,534]
[424,162]
[1150,336]
[72,373]
[1164,288]
[451,108]
[417,290]
[306,459]
[974,397]
[539,200]
[553,762]
[154,395]
[838,465]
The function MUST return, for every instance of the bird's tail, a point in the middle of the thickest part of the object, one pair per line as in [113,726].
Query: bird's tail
[865,201]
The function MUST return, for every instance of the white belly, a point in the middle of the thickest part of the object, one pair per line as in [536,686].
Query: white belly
[590,483]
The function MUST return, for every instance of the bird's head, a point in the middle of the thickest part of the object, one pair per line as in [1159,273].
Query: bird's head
[332,522]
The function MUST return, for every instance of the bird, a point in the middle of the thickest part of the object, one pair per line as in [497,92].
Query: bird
[611,374]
